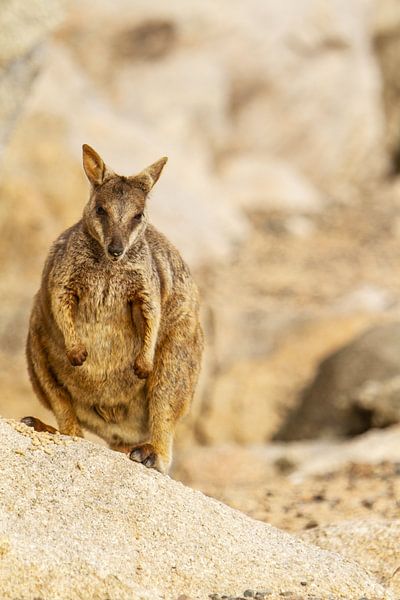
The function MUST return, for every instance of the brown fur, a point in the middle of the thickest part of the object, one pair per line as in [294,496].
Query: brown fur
[115,343]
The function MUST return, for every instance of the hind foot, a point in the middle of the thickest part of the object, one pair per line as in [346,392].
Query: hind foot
[38,425]
[149,457]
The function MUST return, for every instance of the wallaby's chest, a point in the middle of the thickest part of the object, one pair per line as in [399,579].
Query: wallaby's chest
[105,324]
[102,299]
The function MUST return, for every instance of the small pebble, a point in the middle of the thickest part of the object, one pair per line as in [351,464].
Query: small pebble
[318,498]
[248,594]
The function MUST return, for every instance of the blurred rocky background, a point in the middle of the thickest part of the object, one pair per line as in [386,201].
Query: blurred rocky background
[281,121]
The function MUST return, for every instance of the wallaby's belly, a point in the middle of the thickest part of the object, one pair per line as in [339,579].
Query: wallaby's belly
[108,397]
[112,342]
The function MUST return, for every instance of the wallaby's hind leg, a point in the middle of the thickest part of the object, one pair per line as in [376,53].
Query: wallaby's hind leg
[170,389]
[48,389]
[38,425]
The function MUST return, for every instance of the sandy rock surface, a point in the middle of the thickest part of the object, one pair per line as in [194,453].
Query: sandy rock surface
[374,544]
[77,517]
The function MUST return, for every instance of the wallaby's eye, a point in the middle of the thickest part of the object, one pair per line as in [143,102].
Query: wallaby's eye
[138,217]
[100,210]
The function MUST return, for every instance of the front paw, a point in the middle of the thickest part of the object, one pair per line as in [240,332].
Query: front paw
[77,355]
[142,367]
[149,457]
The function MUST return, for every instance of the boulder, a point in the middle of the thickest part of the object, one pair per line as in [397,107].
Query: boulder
[79,520]
[344,397]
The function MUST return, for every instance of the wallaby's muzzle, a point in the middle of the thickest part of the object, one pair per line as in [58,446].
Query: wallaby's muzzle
[115,250]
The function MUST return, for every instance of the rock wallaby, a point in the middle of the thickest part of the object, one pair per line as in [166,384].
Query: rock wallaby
[115,342]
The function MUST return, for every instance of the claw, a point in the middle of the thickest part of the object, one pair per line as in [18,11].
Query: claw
[38,425]
[142,368]
[77,355]
[144,454]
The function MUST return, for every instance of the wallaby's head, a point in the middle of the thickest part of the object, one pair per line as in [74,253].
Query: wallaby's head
[116,214]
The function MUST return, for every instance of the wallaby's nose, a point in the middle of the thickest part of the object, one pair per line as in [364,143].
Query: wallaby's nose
[115,250]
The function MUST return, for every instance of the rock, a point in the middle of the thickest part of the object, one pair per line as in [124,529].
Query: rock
[24,26]
[332,404]
[373,544]
[381,400]
[78,520]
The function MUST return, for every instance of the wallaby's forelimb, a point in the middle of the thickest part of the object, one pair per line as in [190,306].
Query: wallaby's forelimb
[64,304]
[151,312]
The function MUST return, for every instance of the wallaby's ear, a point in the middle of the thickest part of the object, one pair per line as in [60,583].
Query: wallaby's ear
[149,176]
[94,166]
